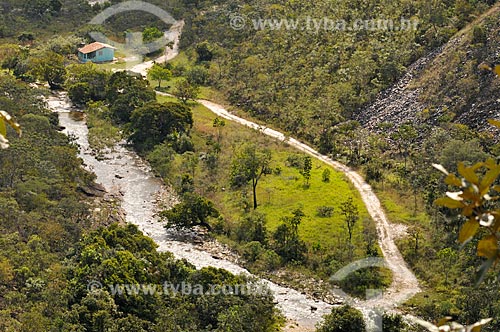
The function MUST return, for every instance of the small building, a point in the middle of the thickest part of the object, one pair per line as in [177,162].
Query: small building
[96,52]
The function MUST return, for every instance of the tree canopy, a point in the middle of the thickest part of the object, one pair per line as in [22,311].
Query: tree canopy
[194,210]
[249,165]
[152,123]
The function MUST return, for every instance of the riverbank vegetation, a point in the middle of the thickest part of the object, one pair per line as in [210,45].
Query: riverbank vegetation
[396,156]
[51,244]
[277,208]
[52,248]
[297,216]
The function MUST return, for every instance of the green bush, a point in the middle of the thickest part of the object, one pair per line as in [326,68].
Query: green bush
[197,75]
[325,176]
[479,35]
[343,319]
[269,260]
[252,228]
[325,211]
[252,251]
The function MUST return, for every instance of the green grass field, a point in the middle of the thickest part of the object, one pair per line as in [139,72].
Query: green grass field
[278,195]
[400,207]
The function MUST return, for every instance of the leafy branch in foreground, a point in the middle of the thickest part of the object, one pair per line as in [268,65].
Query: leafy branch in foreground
[446,325]
[475,197]
[5,118]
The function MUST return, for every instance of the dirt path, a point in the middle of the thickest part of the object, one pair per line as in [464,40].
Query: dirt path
[404,284]
[170,52]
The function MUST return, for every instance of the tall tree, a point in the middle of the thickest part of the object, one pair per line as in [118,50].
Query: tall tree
[152,123]
[159,73]
[305,171]
[351,215]
[405,138]
[219,124]
[193,211]
[249,165]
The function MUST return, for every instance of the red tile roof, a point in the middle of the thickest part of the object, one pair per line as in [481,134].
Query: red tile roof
[94,47]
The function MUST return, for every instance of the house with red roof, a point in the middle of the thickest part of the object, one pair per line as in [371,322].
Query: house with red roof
[96,52]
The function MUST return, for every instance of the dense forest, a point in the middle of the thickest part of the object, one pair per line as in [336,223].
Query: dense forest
[319,79]
[317,87]
[314,85]
[53,244]
[52,247]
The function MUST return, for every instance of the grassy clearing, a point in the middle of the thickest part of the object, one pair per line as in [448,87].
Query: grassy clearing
[400,208]
[278,195]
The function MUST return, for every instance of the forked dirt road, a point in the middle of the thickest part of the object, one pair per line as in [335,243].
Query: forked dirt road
[404,283]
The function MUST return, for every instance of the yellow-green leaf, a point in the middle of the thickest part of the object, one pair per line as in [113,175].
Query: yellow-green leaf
[449,203]
[453,180]
[468,173]
[488,247]
[496,225]
[477,166]
[468,230]
[495,123]
[490,163]
[468,210]
[444,320]
[471,194]
[484,66]
[488,179]
[6,118]
[3,128]
[497,70]
[477,327]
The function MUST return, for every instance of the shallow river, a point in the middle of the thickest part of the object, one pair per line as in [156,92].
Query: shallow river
[122,170]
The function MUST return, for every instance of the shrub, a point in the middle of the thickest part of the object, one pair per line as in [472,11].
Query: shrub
[393,323]
[269,260]
[197,75]
[252,228]
[161,159]
[343,319]
[373,172]
[294,160]
[479,35]
[325,176]
[324,211]
[359,282]
[252,251]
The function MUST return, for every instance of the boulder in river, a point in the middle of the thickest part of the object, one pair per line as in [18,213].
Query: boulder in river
[93,190]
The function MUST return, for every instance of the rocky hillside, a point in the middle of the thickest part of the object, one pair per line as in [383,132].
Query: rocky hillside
[449,84]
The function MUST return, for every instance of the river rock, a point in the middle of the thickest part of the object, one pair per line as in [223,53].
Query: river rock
[93,190]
